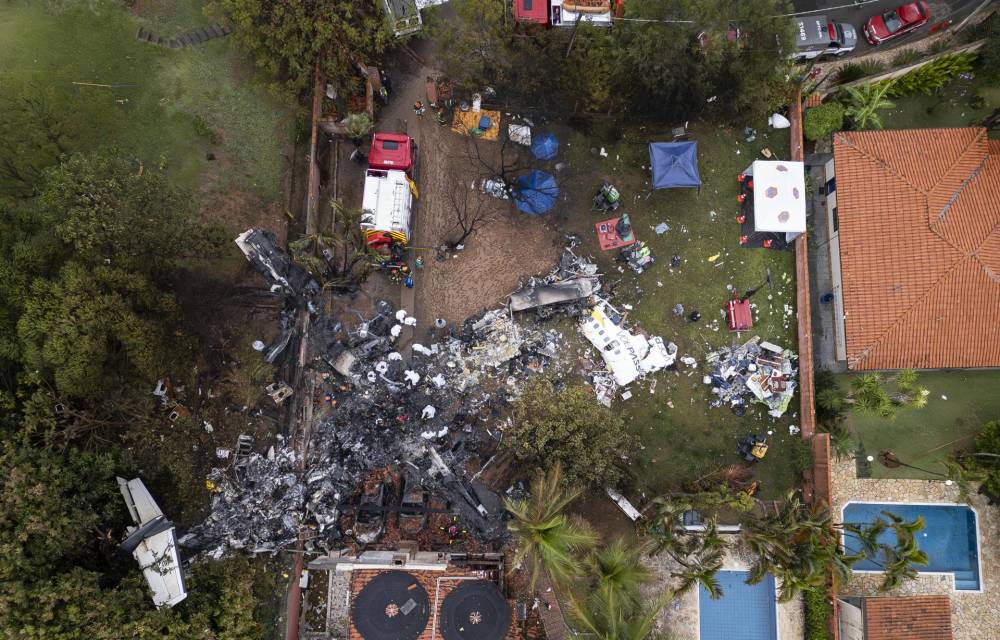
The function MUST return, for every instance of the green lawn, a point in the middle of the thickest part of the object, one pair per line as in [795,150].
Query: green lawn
[958,405]
[167,108]
[950,108]
[688,440]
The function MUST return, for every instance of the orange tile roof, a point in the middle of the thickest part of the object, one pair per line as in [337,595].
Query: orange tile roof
[908,618]
[919,224]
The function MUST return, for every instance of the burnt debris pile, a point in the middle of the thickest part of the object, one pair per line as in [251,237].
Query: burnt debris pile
[434,417]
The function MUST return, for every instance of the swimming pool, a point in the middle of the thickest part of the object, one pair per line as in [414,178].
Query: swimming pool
[744,612]
[949,538]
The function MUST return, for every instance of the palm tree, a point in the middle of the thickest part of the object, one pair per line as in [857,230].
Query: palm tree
[896,561]
[548,540]
[864,103]
[699,554]
[358,125]
[620,573]
[869,397]
[606,620]
[796,544]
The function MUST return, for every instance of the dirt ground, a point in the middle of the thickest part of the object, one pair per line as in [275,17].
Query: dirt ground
[506,249]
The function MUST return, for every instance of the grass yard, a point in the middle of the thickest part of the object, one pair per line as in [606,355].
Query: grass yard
[958,405]
[170,109]
[683,439]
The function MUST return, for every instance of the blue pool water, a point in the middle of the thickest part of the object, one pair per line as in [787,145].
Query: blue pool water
[948,538]
[744,612]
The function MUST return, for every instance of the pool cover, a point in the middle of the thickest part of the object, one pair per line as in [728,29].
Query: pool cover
[393,606]
[475,610]
[744,612]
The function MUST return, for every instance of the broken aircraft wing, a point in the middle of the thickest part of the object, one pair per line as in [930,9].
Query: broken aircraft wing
[541,295]
[261,249]
[153,544]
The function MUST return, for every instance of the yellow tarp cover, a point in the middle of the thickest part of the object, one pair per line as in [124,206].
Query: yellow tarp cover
[465,121]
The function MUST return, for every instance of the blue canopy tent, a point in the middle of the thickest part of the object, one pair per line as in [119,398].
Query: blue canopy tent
[675,164]
[545,146]
[535,193]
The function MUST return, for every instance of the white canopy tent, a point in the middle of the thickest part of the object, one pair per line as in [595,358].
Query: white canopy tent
[779,197]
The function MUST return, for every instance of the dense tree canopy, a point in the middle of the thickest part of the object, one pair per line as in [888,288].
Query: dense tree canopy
[288,39]
[86,269]
[61,518]
[668,58]
[567,427]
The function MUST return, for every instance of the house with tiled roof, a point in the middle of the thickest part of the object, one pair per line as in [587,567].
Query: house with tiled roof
[895,618]
[914,225]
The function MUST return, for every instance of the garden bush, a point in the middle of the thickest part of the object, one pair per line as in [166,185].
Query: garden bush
[905,57]
[940,46]
[933,75]
[871,67]
[988,446]
[850,72]
[817,613]
[856,70]
[821,121]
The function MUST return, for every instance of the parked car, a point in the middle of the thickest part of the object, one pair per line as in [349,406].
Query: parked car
[895,23]
[816,36]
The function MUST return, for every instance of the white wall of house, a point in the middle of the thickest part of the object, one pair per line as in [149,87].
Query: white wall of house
[839,333]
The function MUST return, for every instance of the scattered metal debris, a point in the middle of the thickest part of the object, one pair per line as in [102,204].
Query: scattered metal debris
[759,369]
[261,250]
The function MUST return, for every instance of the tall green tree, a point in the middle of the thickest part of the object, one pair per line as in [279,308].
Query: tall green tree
[92,329]
[289,39]
[106,210]
[547,539]
[566,426]
[728,58]
[64,577]
[87,272]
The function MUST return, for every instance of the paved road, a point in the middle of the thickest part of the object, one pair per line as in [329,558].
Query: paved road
[858,13]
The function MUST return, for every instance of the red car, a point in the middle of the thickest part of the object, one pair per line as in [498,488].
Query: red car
[895,23]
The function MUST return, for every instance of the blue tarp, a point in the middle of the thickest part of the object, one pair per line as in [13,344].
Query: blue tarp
[535,193]
[545,146]
[675,164]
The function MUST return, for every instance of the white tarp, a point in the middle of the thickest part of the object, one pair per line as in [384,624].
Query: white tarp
[156,553]
[779,196]
[628,356]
